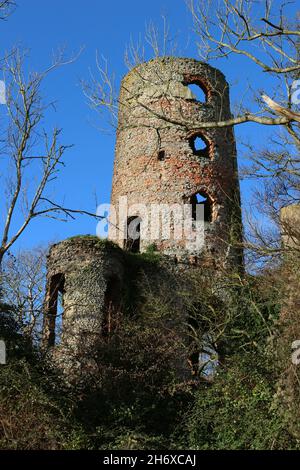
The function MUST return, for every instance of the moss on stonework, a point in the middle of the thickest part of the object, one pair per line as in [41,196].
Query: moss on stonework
[97,240]
[87,236]
[142,259]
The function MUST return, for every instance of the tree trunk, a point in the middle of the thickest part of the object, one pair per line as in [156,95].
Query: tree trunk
[2,253]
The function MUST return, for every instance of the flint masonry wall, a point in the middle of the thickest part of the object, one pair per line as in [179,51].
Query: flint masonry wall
[96,280]
[155,162]
[88,274]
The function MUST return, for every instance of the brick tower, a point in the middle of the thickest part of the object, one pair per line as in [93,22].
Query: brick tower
[163,157]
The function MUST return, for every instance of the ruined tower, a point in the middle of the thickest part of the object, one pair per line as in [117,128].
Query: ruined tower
[164,157]
[85,279]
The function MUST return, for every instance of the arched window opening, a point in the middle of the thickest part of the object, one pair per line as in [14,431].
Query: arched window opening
[133,234]
[112,302]
[199,145]
[195,201]
[198,92]
[198,89]
[56,309]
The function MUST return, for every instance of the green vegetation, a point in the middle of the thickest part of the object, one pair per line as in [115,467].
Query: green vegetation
[35,407]
[100,241]
[139,396]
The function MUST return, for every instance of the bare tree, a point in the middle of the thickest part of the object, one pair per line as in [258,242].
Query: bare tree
[237,26]
[101,91]
[268,36]
[23,283]
[260,32]
[31,157]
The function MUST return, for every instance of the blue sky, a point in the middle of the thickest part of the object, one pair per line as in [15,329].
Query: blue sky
[42,27]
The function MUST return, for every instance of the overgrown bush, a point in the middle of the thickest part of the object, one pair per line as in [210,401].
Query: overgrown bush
[135,399]
[240,408]
[139,394]
[35,411]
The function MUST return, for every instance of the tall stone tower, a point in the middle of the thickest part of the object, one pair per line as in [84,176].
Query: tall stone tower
[164,157]
[165,162]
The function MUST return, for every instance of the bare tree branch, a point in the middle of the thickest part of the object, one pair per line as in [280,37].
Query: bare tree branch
[6,8]
[25,133]
[292,116]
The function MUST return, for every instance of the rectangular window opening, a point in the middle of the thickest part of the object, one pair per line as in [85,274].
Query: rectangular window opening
[161,155]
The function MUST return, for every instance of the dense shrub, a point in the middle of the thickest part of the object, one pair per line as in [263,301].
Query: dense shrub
[35,411]
[138,395]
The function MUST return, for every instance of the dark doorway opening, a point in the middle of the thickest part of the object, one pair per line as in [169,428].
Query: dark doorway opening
[132,241]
